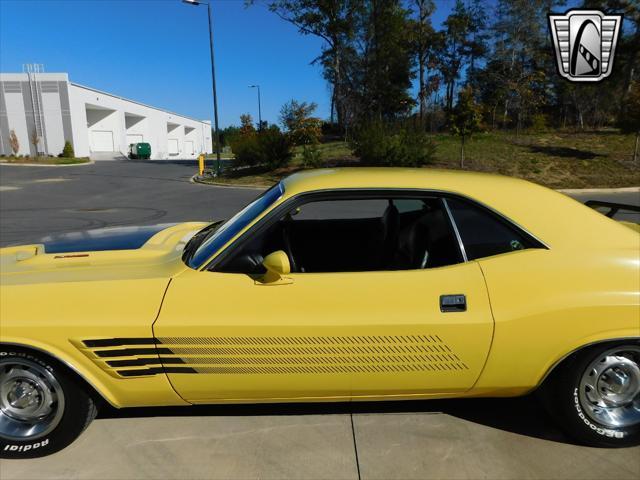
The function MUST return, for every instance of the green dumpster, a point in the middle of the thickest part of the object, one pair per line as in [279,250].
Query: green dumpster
[140,150]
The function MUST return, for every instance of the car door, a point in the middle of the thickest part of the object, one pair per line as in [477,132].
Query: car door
[325,335]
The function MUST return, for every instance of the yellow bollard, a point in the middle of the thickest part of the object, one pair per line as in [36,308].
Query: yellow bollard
[201,164]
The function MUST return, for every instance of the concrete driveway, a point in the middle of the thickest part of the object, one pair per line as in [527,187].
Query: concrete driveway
[461,439]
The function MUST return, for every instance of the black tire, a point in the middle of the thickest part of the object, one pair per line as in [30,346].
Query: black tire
[72,413]
[564,397]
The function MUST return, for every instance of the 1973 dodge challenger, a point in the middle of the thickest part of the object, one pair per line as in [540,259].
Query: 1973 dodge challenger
[333,285]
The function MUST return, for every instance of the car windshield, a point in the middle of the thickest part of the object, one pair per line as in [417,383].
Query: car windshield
[230,228]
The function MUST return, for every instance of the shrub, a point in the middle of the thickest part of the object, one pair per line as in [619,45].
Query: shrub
[67,151]
[269,148]
[275,147]
[538,123]
[245,149]
[386,145]
[312,156]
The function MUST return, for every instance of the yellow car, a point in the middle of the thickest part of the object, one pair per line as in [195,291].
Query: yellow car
[333,285]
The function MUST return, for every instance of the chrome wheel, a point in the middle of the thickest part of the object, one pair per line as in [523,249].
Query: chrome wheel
[31,400]
[610,388]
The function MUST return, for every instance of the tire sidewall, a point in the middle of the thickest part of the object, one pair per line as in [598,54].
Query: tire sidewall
[576,420]
[78,407]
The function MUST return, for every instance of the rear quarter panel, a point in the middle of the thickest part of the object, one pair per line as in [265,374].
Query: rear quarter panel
[548,303]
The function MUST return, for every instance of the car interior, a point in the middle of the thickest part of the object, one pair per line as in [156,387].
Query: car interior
[355,235]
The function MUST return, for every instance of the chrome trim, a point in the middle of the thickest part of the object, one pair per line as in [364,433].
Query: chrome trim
[32,401]
[64,362]
[455,229]
[609,389]
[575,350]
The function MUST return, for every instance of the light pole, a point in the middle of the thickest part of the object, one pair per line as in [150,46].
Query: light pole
[259,106]
[213,80]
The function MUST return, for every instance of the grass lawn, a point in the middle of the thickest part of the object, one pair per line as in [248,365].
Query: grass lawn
[557,160]
[44,160]
[223,156]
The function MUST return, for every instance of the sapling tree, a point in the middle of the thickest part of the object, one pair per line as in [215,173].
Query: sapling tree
[465,119]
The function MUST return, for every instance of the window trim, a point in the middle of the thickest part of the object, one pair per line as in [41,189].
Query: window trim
[199,266]
[356,194]
[456,232]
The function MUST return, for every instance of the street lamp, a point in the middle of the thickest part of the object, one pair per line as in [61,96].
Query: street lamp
[259,106]
[213,80]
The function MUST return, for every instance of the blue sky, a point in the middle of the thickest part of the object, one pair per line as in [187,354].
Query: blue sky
[157,52]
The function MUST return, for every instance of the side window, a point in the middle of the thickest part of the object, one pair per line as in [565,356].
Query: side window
[355,235]
[341,210]
[483,233]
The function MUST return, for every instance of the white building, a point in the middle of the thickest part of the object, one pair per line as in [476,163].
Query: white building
[98,124]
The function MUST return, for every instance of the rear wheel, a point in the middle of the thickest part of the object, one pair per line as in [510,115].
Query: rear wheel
[42,408]
[596,396]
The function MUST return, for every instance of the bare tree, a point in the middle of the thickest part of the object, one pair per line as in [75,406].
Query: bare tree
[14,142]
[35,139]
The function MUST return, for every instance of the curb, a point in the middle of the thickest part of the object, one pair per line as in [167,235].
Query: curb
[194,179]
[90,162]
[600,190]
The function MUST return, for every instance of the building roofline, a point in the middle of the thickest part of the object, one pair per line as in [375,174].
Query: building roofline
[208,122]
[60,75]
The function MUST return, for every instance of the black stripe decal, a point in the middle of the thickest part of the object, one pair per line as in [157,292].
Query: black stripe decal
[130,352]
[141,362]
[120,342]
[155,371]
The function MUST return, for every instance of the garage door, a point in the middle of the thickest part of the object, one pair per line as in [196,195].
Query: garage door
[173,146]
[101,141]
[134,138]
[188,147]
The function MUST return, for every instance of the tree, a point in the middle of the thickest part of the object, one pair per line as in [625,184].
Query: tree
[422,37]
[14,142]
[387,61]
[246,125]
[454,49]
[520,59]
[298,120]
[334,22]
[228,135]
[465,119]
[631,121]
[35,139]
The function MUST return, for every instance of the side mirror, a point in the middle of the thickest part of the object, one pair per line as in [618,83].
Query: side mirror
[277,265]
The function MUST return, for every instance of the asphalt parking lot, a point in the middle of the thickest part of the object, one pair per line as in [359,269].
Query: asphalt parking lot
[461,439]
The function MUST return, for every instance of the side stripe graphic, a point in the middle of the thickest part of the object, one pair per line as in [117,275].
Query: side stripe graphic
[274,355]
[154,371]
[119,342]
[140,362]
[130,352]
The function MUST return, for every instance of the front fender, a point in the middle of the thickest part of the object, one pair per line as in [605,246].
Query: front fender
[129,392]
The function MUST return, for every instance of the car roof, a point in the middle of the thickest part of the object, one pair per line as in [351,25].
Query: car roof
[385,177]
[551,216]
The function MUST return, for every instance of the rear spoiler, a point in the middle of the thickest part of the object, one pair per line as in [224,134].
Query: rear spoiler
[613,207]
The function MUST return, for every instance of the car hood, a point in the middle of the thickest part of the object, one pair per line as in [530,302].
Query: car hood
[101,239]
[102,254]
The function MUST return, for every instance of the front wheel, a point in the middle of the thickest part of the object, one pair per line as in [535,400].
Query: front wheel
[596,397]
[42,408]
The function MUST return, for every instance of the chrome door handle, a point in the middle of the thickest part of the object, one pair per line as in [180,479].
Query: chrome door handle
[453,303]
